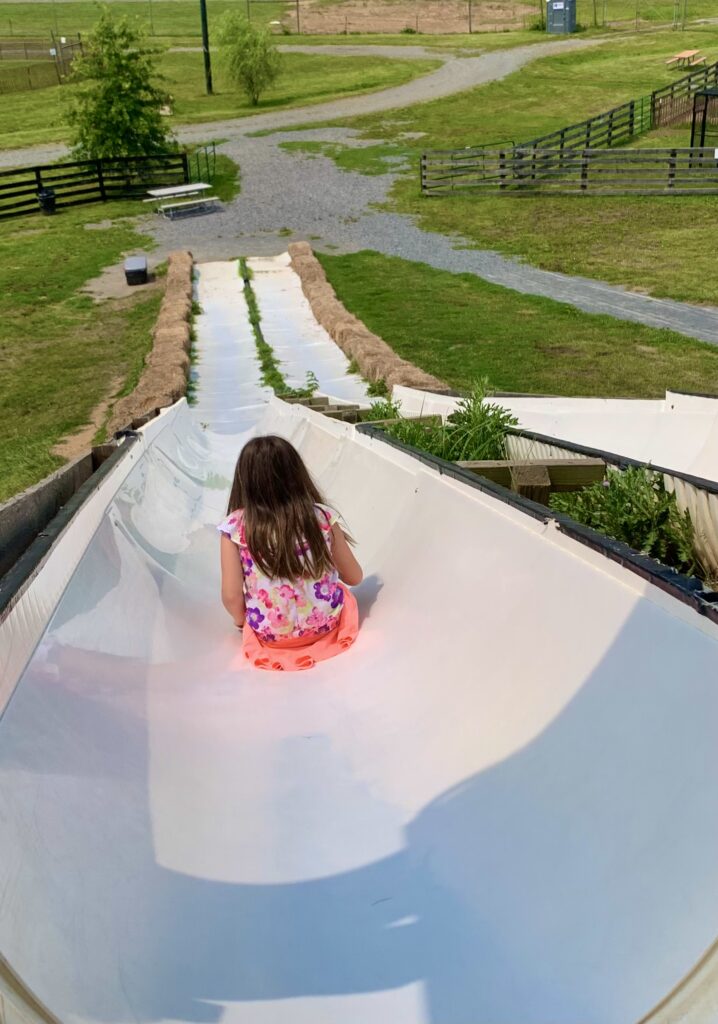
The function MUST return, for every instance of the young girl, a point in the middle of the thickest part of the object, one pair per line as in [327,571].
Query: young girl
[283,556]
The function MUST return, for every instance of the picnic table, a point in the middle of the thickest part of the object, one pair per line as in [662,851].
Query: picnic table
[687,58]
[176,199]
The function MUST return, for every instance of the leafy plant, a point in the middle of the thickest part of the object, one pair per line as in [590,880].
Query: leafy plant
[633,506]
[475,430]
[249,56]
[383,410]
[116,109]
[377,388]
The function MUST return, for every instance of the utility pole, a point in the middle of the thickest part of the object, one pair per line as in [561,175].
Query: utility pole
[205,47]
[152,20]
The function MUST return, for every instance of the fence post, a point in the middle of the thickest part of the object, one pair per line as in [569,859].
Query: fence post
[672,169]
[185,167]
[101,180]
[631,116]
[610,130]
[584,170]
[502,169]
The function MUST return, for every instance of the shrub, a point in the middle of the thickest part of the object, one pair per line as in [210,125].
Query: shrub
[116,109]
[633,506]
[475,430]
[248,54]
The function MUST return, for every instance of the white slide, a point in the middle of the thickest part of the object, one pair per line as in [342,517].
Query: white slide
[499,807]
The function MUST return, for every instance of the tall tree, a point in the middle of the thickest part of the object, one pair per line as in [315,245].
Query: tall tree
[249,56]
[116,108]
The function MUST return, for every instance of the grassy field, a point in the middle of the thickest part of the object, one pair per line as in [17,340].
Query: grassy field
[461,328]
[37,117]
[180,18]
[61,353]
[650,244]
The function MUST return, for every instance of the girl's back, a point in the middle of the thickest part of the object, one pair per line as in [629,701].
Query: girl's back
[280,608]
[283,557]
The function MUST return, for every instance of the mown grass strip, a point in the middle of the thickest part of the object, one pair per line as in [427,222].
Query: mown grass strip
[462,328]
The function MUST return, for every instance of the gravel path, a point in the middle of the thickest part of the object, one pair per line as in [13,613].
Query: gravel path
[455,75]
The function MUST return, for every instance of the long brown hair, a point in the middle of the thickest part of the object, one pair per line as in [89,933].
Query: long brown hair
[277,495]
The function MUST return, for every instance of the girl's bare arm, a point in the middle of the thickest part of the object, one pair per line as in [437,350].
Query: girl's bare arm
[232,580]
[350,572]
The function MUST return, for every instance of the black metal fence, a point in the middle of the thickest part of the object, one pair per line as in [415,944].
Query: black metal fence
[89,181]
[579,171]
[613,128]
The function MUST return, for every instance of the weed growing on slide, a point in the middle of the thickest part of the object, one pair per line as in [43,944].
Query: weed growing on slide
[272,376]
[633,506]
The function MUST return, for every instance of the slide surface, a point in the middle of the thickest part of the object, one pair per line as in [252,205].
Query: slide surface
[500,806]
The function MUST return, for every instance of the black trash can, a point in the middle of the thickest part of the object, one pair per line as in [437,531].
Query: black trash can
[46,198]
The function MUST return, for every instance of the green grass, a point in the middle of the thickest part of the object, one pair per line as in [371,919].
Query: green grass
[462,328]
[179,19]
[376,159]
[171,18]
[38,116]
[653,244]
[59,350]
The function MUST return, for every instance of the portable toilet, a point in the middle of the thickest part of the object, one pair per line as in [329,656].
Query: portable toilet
[561,16]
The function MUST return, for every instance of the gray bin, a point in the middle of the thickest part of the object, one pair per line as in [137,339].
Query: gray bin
[136,270]
[560,16]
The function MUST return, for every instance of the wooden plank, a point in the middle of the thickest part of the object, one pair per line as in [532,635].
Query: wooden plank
[564,474]
[531,481]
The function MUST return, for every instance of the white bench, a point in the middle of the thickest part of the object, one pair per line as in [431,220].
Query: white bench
[187,206]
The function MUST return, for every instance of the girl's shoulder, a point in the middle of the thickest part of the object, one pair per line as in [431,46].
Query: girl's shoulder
[232,525]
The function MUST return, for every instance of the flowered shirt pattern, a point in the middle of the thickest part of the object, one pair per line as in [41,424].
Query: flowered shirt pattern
[282,609]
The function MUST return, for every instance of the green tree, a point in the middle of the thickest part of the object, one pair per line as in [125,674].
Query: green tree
[115,110]
[249,56]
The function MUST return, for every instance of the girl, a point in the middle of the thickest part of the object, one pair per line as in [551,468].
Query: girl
[283,555]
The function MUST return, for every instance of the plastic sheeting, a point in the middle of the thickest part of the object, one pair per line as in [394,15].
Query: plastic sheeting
[500,805]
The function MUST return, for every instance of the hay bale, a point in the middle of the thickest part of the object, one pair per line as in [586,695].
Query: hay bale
[164,378]
[376,359]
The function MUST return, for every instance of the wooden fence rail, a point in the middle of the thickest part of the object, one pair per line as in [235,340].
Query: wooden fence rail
[582,171]
[89,181]
[671,104]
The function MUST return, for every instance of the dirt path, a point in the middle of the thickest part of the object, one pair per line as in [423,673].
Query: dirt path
[456,74]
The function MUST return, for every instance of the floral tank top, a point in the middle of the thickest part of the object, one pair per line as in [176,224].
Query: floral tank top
[282,609]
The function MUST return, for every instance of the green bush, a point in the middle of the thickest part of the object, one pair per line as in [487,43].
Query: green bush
[115,110]
[633,506]
[475,430]
[248,54]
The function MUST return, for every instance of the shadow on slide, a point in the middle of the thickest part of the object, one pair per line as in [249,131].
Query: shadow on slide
[506,902]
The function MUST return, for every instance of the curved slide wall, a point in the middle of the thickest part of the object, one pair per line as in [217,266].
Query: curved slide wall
[499,806]
[679,432]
